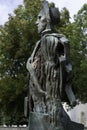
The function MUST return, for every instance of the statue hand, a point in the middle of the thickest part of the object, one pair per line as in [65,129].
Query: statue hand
[28,64]
[30,60]
[73,103]
[41,92]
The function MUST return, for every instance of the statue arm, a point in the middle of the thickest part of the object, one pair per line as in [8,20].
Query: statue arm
[31,68]
[68,71]
[31,58]
[34,79]
[66,56]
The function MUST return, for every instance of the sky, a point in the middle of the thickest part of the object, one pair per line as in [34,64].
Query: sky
[8,6]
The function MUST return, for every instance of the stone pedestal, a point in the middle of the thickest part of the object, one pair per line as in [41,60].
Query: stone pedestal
[39,121]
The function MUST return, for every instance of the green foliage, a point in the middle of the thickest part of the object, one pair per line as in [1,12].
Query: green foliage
[17,39]
[65,26]
[79,53]
[52,5]
[65,16]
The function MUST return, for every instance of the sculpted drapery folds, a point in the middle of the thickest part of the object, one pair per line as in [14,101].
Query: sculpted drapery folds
[49,65]
[50,71]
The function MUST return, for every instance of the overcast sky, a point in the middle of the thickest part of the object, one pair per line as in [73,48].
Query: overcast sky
[7,6]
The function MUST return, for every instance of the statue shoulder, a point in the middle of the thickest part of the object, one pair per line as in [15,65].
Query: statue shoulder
[50,37]
[63,39]
[55,37]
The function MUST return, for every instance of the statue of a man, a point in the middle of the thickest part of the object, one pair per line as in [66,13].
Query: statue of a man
[50,72]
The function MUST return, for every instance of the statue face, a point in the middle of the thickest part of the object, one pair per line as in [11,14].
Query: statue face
[41,22]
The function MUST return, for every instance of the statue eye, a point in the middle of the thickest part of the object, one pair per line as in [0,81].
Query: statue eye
[39,17]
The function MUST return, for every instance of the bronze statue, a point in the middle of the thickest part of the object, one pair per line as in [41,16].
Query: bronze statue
[50,75]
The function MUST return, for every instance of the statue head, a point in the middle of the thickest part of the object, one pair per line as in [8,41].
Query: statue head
[47,17]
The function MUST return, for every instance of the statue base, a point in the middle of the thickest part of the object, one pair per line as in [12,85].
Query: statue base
[40,121]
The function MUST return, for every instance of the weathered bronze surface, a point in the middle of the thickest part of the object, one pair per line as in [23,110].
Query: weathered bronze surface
[50,76]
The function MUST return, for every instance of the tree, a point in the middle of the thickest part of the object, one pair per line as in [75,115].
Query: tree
[17,38]
[78,40]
